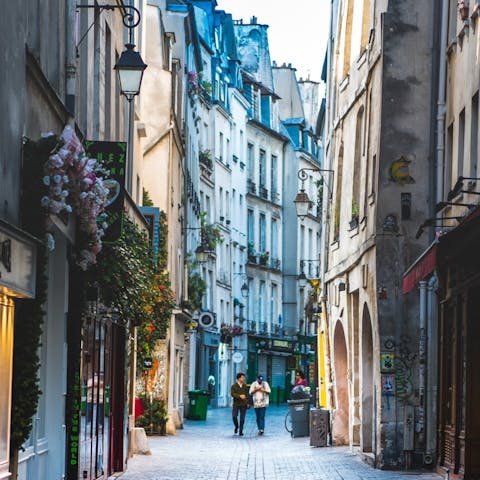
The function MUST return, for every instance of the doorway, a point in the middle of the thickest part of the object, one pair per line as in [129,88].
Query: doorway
[368,414]
[341,420]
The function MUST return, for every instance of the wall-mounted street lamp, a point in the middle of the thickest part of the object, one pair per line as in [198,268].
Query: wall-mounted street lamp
[244,290]
[302,200]
[202,253]
[302,278]
[130,66]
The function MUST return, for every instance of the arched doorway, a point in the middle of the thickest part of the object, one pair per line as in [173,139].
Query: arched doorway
[367,382]
[341,423]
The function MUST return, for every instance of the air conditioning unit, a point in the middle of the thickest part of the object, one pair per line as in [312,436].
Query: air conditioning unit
[206,319]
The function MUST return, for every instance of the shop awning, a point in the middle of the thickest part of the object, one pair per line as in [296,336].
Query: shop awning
[423,266]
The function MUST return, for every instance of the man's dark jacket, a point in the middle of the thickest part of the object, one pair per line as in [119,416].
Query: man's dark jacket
[238,390]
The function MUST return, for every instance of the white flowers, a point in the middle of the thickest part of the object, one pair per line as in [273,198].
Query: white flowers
[69,173]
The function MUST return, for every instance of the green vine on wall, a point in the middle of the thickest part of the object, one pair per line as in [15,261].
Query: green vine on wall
[29,314]
[131,282]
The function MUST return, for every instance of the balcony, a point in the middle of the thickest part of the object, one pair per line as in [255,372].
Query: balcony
[251,187]
[251,326]
[263,192]
[275,264]
[274,197]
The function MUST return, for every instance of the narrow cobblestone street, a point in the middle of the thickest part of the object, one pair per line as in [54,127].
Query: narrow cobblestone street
[210,450]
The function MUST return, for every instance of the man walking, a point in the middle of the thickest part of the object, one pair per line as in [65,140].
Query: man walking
[239,392]
[260,390]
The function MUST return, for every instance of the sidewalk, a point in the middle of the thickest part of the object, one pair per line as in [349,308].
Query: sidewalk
[209,450]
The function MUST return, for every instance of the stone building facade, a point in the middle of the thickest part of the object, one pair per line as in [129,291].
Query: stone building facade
[378,142]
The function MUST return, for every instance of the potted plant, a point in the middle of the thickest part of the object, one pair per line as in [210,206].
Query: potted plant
[205,158]
[252,256]
[155,416]
[355,215]
[264,257]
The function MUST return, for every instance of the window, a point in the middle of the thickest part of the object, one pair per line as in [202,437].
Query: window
[265,99]
[208,207]
[273,176]
[262,229]
[255,104]
[274,240]
[227,205]
[263,169]
[474,137]
[338,195]
[365,24]
[447,172]
[461,142]
[220,146]
[220,201]
[250,162]
[273,304]
[108,83]
[251,227]
[302,242]
[356,164]
[262,299]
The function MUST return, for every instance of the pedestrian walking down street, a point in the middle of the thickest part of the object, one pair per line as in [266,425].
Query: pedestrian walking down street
[260,391]
[239,392]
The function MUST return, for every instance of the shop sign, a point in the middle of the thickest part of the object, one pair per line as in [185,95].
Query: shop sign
[152,216]
[237,357]
[147,363]
[112,156]
[18,259]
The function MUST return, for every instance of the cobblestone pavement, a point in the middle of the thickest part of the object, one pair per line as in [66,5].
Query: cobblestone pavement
[209,450]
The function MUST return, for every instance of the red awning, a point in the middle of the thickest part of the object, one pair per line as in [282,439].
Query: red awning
[423,266]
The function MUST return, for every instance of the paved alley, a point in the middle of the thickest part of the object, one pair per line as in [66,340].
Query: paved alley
[210,450]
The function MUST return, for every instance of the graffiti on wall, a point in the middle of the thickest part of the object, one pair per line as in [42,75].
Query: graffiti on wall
[398,362]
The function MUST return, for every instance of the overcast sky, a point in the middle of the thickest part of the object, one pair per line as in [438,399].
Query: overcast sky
[297,33]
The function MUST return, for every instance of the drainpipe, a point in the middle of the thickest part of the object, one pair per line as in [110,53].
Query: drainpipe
[70,57]
[432,366]
[441,102]
[422,354]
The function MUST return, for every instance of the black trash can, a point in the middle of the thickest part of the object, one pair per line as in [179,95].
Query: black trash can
[299,412]
[319,427]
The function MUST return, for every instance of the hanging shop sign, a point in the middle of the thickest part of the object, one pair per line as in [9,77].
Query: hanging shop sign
[18,259]
[147,363]
[237,357]
[112,156]
[152,216]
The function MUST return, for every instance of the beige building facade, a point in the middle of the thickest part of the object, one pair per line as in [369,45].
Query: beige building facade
[378,142]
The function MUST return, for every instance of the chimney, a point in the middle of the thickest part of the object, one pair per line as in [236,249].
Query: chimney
[253,20]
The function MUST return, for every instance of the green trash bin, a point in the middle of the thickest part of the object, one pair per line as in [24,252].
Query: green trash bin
[197,404]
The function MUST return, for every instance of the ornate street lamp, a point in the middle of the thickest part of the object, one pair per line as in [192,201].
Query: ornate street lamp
[302,280]
[244,290]
[302,200]
[130,68]
[201,254]
[302,204]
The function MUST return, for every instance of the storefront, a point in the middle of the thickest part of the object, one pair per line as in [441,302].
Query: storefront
[17,280]
[447,276]
[459,328]
[273,358]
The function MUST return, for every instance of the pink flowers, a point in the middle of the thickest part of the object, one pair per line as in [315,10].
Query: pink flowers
[75,184]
